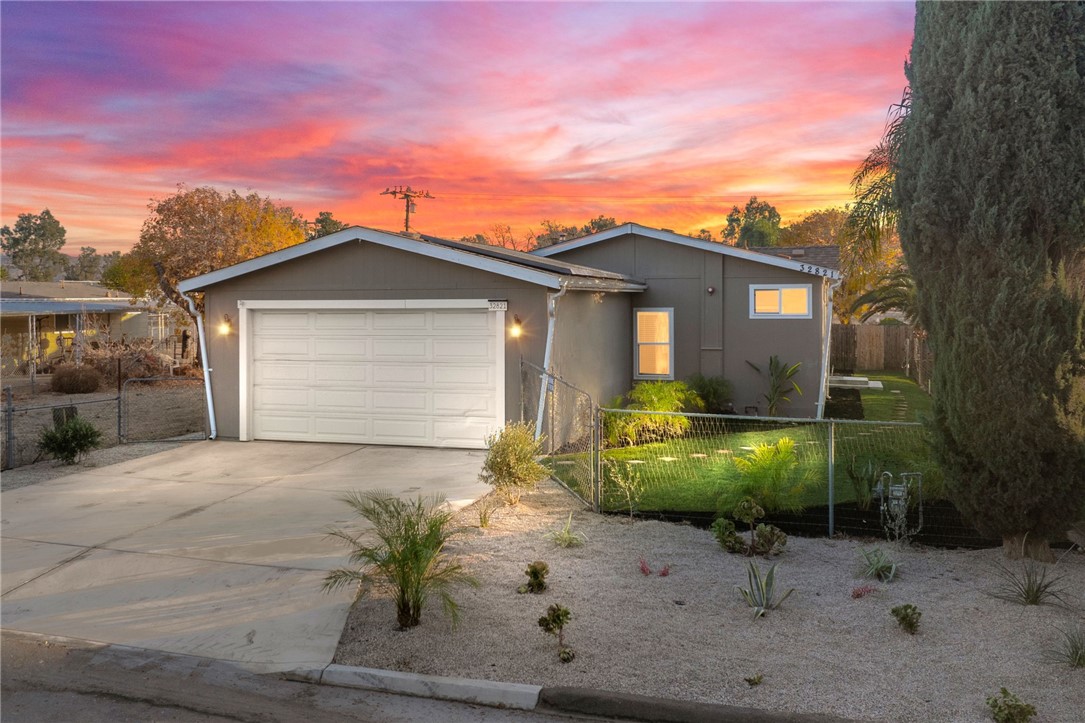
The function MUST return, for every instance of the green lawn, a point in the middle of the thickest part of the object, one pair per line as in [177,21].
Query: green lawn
[685,474]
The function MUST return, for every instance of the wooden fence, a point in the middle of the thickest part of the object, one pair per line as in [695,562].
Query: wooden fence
[866,347]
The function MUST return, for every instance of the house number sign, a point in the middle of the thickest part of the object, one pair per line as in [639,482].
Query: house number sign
[811,269]
[499,305]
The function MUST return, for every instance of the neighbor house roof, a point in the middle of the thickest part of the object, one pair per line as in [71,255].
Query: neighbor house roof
[826,256]
[795,264]
[552,274]
[57,290]
[39,307]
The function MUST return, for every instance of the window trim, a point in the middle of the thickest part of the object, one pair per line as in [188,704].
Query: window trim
[780,287]
[637,343]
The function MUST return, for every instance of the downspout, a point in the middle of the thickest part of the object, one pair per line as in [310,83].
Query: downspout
[551,316]
[206,369]
[822,393]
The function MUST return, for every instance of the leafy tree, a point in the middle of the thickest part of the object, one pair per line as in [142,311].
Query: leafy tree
[34,245]
[85,267]
[826,227]
[704,234]
[554,232]
[597,224]
[323,225]
[131,273]
[990,190]
[199,230]
[756,225]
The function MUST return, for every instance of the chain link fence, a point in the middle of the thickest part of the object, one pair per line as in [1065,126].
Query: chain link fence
[813,477]
[142,410]
[564,418]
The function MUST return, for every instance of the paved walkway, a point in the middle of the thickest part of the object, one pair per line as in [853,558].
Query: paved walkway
[215,549]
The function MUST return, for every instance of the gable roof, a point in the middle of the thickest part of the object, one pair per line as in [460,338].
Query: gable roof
[802,266]
[827,256]
[551,274]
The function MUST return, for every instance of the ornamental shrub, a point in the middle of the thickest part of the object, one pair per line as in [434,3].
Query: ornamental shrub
[75,379]
[511,464]
[70,441]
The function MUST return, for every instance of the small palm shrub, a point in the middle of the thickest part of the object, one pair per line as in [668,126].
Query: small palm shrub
[770,474]
[536,578]
[876,564]
[1008,708]
[70,441]
[511,463]
[761,594]
[409,561]
[553,623]
[781,382]
[662,397]
[907,617]
[75,379]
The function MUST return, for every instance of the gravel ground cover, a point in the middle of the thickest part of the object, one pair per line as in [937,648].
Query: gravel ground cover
[689,634]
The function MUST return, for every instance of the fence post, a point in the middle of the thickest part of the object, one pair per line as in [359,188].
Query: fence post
[120,413]
[9,429]
[597,460]
[832,477]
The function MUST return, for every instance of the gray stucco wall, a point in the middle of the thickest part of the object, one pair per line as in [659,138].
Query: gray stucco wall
[361,270]
[593,343]
[713,332]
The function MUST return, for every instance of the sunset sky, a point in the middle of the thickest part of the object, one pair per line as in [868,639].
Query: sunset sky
[665,114]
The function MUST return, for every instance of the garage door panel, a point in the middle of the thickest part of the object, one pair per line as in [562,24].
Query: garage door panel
[359,321]
[282,347]
[341,348]
[397,321]
[463,405]
[358,373]
[461,321]
[398,401]
[406,374]
[355,399]
[271,321]
[416,349]
[283,371]
[461,375]
[419,377]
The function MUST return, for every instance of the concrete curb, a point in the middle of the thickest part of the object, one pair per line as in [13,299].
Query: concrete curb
[605,704]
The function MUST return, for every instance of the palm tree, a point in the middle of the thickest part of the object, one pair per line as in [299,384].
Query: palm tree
[410,561]
[895,291]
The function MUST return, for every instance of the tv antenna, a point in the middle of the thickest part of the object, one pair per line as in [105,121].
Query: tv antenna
[408,195]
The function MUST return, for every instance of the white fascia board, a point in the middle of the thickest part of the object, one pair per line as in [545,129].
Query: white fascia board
[383,238]
[364,303]
[712,246]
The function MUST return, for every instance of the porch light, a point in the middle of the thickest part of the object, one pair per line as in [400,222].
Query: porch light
[517,327]
[226,326]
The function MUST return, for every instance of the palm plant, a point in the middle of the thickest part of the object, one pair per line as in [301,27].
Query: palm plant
[895,291]
[409,561]
[771,476]
[780,382]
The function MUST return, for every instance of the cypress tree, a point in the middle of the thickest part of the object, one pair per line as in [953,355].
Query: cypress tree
[991,187]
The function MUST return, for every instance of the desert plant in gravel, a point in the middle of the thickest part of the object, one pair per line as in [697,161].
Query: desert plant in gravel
[755,680]
[409,560]
[858,593]
[877,564]
[907,617]
[511,463]
[553,623]
[1031,586]
[536,578]
[70,441]
[1070,650]
[628,483]
[768,540]
[486,508]
[566,536]
[1008,708]
[761,594]
[727,535]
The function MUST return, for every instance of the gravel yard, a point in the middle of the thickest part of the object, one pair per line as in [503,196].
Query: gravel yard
[690,635]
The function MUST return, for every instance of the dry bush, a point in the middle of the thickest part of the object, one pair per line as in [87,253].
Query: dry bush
[72,379]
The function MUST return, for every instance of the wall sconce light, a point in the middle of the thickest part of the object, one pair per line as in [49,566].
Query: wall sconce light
[226,326]
[517,327]
[711,290]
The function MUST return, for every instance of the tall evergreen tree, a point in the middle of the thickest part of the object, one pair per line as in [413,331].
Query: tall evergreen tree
[991,190]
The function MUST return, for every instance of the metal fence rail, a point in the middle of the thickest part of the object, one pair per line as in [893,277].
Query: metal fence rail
[144,410]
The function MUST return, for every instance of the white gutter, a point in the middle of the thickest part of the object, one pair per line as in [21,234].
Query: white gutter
[823,391]
[206,369]
[552,314]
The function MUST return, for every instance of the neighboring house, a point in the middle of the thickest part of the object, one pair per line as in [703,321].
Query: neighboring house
[374,337]
[41,320]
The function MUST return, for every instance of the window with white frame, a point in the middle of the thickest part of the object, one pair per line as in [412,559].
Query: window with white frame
[780,301]
[653,352]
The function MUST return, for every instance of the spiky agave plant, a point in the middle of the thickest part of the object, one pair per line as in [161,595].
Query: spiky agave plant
[409,560]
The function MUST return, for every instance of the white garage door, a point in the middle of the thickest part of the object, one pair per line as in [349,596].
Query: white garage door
[405,377]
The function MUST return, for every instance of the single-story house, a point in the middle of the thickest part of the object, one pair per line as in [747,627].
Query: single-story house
[41,321]
[374,337]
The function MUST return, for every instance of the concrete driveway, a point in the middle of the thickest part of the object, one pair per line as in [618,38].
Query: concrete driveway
[213,549]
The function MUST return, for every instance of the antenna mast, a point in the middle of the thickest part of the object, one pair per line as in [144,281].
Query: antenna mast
[408,195]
